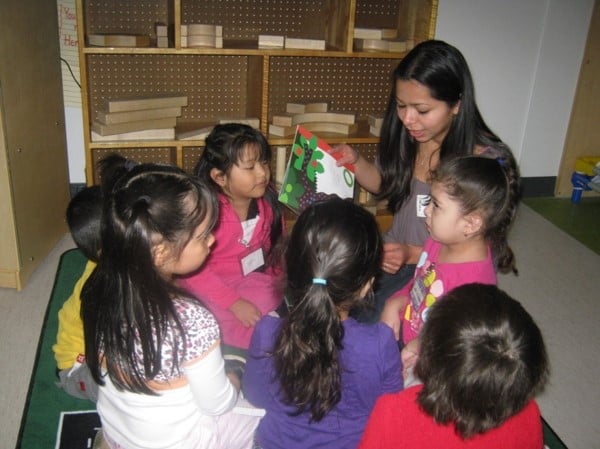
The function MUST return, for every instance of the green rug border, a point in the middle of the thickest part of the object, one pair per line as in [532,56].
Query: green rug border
[38,431]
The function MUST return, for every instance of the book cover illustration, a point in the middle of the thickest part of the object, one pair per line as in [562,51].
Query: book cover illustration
[312,174]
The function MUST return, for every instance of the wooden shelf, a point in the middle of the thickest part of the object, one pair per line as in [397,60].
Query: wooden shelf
[242,80]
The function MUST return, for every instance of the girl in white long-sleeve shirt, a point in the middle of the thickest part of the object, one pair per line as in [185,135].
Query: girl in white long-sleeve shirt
[158,359]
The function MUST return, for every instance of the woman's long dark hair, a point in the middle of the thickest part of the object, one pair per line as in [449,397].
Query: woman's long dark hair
[338,243]
[126,302]
[444,71]
[225,145]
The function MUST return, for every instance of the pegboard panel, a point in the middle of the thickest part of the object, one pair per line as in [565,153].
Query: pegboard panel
[348,85]
[367,150]
[191,156]
[377,14]
[246,19]
[125,16]
[163,155]
[216,86]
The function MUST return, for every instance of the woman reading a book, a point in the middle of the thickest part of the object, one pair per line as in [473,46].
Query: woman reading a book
[431,117]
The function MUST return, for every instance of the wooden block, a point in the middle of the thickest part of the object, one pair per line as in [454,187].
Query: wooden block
[250,121]
[184,30]
[269,41]
[120,128]
[398,46]
[304,44]
[335,128]
[330,117]
[111,118]
[283,119]
[298,108]
[280,164]
[199,40]
[184,41]
[138,103]
[323,127]
[281,131]
[162,30]
[375,130]
[371,45]
[375,121]
[201,29]
[375,33]
[162,42]
[118,40]
[147,134]
[195,134]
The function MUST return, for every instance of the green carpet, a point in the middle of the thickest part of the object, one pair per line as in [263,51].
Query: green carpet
[46,402]
[581,221]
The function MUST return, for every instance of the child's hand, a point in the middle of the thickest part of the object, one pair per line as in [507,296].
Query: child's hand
[409,354]
[348,155]
[394,256]
[246,312]
[391,314]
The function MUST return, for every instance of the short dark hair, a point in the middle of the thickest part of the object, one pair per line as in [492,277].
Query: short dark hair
[482,358]
[84,218]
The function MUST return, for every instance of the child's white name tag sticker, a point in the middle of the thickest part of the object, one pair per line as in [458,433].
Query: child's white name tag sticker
[252,261]
[422,202]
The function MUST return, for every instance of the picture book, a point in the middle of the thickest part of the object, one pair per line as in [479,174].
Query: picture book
[312,174]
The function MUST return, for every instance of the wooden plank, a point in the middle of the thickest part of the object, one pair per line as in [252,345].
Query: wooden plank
[195,134]
[111,118]
[250,121]
[301,108]
[120,128]
[270,41]
[147,134]
[304,44]
[283,119]
[330,117]
[375,33]
[118,40]
[138,103]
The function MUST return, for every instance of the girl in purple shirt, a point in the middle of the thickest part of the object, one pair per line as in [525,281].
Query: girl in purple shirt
[317,372]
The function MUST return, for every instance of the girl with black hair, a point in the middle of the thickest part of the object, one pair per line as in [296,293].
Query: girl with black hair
[318,372]
[153,349]
[240,281]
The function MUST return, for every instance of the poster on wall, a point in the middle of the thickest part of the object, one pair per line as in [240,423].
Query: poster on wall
[69,54]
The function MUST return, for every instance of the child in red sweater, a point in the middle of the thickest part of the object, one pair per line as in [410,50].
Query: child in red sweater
[482,361]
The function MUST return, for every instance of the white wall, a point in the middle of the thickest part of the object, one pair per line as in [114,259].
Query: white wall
[525,57]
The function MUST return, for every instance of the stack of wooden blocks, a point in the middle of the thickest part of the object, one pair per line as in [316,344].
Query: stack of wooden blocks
[315,117]
[202,35]
[382,39]
[140,118]
[375,124]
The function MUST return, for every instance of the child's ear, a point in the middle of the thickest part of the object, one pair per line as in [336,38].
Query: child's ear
[159,254]
[473,223]
[217,176]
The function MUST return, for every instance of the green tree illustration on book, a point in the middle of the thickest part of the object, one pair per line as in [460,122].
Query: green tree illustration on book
[312,174]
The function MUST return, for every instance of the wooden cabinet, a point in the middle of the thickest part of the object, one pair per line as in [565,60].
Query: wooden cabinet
[34,181]
[241,79]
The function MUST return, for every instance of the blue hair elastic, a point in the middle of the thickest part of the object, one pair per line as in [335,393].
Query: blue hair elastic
[320,281]
[501,161]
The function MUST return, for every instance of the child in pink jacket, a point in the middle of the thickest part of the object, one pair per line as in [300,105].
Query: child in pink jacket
[240,281]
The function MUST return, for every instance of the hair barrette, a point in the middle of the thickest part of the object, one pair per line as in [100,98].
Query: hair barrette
[319,281]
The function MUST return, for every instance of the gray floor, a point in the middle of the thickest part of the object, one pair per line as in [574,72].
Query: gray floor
[558,283]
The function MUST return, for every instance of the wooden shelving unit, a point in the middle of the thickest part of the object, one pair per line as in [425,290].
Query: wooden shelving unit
[241,80]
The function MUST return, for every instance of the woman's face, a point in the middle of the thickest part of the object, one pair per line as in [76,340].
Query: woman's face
[424,117]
